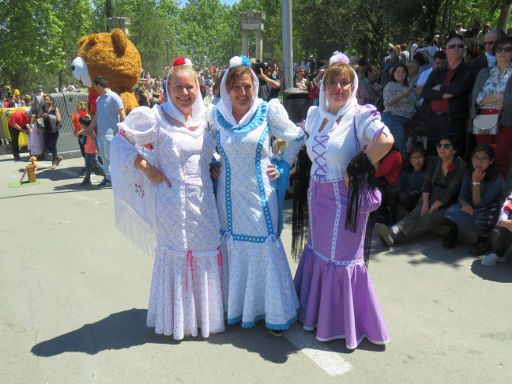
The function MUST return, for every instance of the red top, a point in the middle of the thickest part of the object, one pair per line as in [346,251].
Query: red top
[390,167]
[91,100]
[443,105]
[19,117]
[76,121]
[90,145]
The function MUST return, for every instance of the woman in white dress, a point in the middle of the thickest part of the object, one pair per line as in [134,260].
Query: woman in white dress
[186,290]
[257,279]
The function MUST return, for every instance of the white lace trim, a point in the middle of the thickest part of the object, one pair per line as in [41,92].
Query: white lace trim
[340,263]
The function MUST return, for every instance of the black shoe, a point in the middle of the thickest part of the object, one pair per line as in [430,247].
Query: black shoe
[86,183]
[480,247]
[17,158]
[385,234]
[450,240]
[276,332]
[105,183]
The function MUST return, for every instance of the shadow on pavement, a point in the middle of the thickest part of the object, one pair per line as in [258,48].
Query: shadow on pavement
[501,273]
[118,331]
[257,340]
[128,328]
[59,173]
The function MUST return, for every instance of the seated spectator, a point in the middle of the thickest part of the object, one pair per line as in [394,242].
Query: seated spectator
[477,208]
[404,196]
[440,189]
[504,238]
[387,175]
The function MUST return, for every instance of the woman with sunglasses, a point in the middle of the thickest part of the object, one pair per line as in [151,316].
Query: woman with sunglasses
[440,189]
[479,200]
[492,95]
[446,91]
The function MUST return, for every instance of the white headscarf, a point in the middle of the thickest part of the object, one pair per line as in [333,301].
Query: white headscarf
[225,107]
[352,101]
[198,109]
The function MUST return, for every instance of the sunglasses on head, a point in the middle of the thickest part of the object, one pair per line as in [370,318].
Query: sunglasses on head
[443,145]
[453,46]
[504,49]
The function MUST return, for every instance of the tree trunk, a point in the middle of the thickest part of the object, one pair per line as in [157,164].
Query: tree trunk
[445,14]
[504,14]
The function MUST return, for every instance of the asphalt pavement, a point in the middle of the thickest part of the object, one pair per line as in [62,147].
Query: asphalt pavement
[74,292]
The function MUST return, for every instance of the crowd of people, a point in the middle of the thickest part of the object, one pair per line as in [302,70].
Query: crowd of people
[208,183]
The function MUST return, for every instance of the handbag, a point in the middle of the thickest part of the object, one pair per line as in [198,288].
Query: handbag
[486,124]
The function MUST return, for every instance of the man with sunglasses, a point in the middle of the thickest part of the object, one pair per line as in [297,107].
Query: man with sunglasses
[487,59]
[446,91]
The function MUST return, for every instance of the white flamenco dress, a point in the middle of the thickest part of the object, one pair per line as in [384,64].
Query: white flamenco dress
[186,290]
[257,280]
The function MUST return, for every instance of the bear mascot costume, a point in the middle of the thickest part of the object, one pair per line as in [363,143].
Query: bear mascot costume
[112,56]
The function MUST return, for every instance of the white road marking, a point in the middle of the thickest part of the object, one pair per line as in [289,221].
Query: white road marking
[331,362]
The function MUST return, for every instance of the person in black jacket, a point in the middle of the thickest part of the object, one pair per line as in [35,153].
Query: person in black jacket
[447,90]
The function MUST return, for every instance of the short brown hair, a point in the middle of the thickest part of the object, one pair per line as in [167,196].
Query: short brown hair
[236,73]
[337,69]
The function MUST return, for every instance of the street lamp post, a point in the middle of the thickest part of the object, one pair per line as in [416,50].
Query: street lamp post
[287,44]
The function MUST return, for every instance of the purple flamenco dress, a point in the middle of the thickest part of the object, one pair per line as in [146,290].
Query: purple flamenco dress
[335,291]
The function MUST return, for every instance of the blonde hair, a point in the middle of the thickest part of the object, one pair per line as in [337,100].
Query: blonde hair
[181,68]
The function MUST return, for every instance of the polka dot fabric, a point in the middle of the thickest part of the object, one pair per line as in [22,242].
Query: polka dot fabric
[186,292]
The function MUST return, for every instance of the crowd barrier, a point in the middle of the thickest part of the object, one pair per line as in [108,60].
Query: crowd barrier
[66,102]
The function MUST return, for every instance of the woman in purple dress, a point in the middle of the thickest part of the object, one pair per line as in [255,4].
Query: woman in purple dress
[344,141]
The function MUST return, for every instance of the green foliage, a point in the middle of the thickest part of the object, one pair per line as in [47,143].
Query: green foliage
[40,38]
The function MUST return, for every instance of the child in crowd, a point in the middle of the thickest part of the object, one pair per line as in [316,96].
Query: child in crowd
[404,196]
[477,207]
[91,159]
[81,110]
[504,239]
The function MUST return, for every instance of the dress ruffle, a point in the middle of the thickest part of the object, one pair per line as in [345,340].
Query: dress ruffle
[186,294]
[260,285]
[339,301]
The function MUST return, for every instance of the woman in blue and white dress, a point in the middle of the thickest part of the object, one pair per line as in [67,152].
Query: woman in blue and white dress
[257,281]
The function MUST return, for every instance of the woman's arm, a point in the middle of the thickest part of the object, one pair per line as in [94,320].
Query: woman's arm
[57,114]
[379,147]
[153,174]
[284,129]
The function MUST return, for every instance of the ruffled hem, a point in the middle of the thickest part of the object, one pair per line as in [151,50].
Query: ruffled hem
[250,324]
[339,302]
[186,295]
[258,284]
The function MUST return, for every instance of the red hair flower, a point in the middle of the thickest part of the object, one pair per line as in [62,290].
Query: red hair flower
[181,61]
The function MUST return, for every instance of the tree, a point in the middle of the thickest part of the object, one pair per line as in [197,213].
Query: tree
[504,14]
